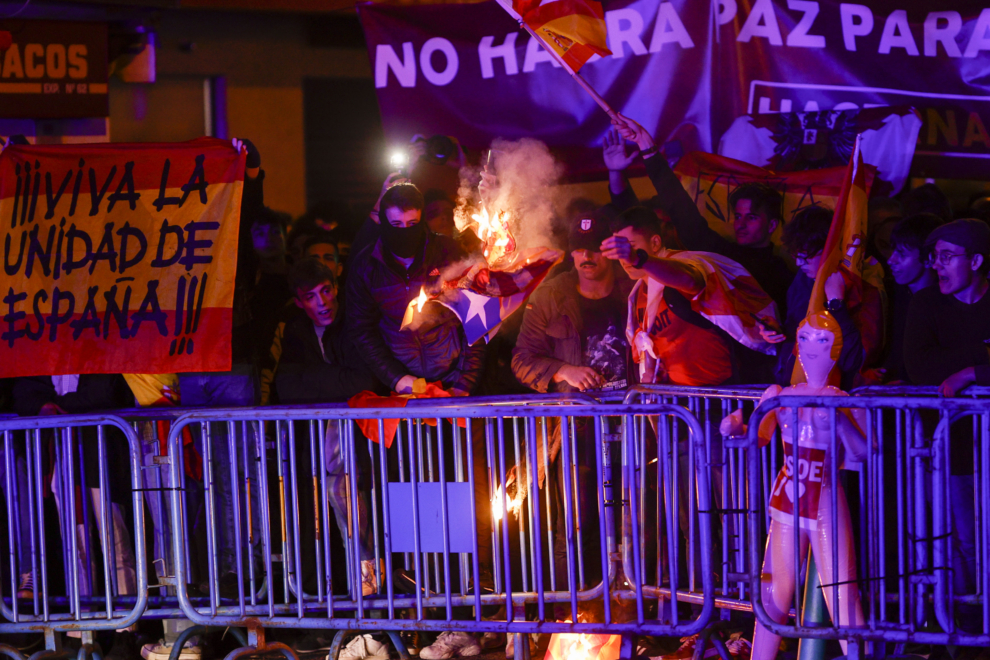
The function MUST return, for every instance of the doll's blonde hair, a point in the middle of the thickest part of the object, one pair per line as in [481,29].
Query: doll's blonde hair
[824,321]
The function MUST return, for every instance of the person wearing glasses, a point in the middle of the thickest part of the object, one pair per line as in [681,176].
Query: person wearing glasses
[804,238]
[946,344]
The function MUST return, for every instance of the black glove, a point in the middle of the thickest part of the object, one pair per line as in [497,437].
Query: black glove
[17,139]
[253,155]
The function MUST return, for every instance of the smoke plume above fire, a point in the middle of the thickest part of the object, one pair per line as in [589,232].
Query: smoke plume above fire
[520,182]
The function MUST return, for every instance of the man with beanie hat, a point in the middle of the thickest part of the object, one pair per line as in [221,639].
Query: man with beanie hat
[946,344]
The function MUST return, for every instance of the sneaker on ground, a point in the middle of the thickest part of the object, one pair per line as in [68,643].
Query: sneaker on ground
[313,641]
[686,650]
[369,581]
[25,589]
[451,644]
[161,651]
[739,647]
[363,647]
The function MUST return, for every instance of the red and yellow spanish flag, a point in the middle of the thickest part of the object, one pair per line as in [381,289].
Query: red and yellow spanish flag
[118,258]
[573,29]
[845,252]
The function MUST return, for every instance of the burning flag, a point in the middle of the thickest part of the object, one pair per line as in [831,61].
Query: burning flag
[485,293]
[482,297]
[494,234]
[572,29]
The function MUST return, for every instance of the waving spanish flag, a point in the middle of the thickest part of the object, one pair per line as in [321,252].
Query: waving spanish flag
[573,29]
[845,252]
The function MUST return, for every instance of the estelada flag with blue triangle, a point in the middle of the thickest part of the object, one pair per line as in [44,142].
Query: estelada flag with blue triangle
[845,252]
[482,297]
[574,29]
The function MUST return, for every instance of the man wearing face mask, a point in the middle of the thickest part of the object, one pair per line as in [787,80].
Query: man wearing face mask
[385,277]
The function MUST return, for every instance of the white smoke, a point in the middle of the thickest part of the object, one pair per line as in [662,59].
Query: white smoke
[521,179]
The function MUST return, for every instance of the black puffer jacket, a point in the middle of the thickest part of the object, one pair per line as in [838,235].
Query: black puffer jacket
[377,296]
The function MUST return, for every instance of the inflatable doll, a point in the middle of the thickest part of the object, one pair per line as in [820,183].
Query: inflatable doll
[819,343]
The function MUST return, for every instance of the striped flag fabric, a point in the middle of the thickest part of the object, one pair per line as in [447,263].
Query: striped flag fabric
[731,299]
[845,252]
[573,29]
[119,257]
[482,298]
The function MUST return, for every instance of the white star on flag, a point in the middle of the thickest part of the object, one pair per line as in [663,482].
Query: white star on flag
[477,307]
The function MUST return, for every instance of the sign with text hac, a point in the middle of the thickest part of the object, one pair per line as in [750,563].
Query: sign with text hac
[53,70]
[118,257]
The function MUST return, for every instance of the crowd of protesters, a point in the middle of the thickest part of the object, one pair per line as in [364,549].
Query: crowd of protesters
[319,303]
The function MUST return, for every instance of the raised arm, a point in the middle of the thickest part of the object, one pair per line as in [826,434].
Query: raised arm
[692,228]
[618,157]
[670,272]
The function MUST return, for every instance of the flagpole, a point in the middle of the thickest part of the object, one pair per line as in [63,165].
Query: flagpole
[602,103]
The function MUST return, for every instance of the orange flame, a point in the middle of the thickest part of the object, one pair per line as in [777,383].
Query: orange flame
[495,234]
[421,300]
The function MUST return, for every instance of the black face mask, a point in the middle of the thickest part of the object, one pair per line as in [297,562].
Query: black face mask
[403,242]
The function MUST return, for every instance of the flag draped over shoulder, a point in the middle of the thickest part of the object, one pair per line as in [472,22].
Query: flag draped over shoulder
[731,299]
[574,29]
[482,297]
[844,252]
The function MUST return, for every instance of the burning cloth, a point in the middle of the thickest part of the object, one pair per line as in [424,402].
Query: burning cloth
[482,296]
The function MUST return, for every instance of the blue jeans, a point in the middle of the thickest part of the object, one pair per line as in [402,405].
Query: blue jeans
[237,387]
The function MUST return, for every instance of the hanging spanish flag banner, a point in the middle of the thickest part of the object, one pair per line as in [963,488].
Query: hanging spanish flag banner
[118,258]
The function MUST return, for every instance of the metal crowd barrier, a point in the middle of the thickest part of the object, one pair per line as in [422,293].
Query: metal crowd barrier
[727,472]
[450,548]
[908,571]
[472,526]
[102,584]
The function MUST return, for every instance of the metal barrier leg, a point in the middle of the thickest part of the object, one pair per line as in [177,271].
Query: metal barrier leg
[9,651]
[627,649]
[400,646]
[338,641]
[90,651]
[53,647]
[256,646]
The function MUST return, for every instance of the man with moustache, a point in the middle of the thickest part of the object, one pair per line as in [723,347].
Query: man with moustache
[573,339]
[560,346]
[946,344]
